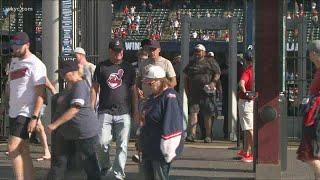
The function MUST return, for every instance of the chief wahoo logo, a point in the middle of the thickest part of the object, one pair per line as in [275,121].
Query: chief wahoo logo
[115,79]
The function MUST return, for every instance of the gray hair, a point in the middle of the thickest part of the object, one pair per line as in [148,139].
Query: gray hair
[314,46]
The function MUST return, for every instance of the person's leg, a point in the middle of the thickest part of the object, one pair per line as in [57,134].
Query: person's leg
[20,156]
[147,169]
[315,165]
[249,141]
[105,138]
[193,123]
[161,170]
[43,139]
[18,148]
[122,132]
[88,148]
[208,126]
[59,162]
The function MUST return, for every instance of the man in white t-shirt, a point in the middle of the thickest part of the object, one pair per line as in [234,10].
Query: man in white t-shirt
[86,67]
[27,79]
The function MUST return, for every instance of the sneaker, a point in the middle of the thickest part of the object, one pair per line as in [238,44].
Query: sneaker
[247,158]
[190,138]
[207,140]
[135,158]
[241,153]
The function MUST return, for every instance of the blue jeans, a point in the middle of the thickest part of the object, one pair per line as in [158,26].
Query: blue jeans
[118,126]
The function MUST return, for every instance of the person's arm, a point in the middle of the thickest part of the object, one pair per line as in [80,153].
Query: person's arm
[242,86]
[134,103]
[95,89]
[49,86]
[186,85]
[172,127]
[172,81]
[39,99]
[68,115]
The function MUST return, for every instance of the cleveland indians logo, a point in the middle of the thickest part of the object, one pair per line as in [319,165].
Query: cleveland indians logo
[115,79]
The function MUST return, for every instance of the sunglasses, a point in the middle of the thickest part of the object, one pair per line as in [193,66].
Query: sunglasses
[150,82]
[17,42]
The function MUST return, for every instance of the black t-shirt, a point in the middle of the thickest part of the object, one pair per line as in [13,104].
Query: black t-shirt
[85,123]
[115,82]
[200,73]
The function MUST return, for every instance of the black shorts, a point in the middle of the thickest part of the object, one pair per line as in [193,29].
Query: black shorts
[19,126]
[206,105]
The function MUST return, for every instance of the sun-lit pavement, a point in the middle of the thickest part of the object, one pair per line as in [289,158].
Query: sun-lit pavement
[199,161]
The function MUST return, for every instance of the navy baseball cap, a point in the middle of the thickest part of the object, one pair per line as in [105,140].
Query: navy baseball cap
[145,42]
[116,45]
[20,38]
[67,66]
[248,56]
[153,44]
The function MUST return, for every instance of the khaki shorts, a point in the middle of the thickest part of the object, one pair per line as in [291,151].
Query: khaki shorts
[246,114]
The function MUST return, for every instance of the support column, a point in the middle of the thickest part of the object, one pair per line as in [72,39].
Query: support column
[50,44]
[268,58]
[185,42]
[104,28]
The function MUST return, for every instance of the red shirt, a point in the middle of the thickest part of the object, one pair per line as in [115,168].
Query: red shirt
[247,78]
[315,84]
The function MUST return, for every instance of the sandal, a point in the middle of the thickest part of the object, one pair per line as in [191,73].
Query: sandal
[44,158]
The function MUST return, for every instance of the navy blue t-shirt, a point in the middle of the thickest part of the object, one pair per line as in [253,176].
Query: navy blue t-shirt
[164,117]
[115,82]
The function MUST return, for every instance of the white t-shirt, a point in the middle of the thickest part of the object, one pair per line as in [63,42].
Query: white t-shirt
[24,75]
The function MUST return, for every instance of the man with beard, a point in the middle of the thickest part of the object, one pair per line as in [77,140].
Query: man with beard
[27,79]
[114,81]
[202,80]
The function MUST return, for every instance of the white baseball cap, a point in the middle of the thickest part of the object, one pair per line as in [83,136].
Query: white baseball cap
[211,54]
[154,72]
[200,47]
[79,50]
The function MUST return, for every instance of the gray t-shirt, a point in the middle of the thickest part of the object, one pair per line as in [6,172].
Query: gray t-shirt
[162,62]
[85,123]
[88,71]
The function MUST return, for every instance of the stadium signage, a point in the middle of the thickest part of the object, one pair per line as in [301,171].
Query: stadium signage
[132,46]
[66,26]
[292,46]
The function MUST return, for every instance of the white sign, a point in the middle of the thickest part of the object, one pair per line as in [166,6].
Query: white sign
[132,46]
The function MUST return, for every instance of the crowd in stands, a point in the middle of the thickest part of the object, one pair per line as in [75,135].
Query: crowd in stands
[161,20]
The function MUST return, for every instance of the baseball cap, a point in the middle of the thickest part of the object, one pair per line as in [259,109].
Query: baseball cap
[314,46]
[200,47]
[153,44]
[20,38]
[211,54]
[145,42]
[116,45]
[154,72]
[248,56]
[67,66]
[79,50]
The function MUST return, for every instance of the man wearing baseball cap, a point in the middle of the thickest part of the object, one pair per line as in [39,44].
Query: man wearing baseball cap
[85,67]
[27,79]
[154,50]
[202,78]
[114,81]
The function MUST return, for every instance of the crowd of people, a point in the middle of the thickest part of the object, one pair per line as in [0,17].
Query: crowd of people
[99,103]
[154,27]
